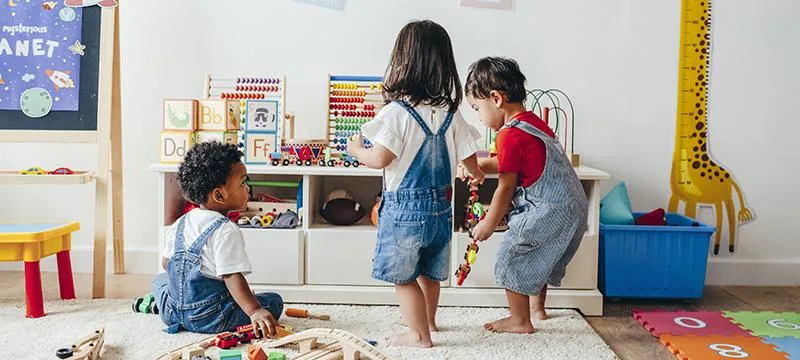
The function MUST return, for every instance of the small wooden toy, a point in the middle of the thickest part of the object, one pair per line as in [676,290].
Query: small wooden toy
[32,171]
[300,313]
[61,171]
[259,147]
[194,353]
[180,115]
[174,145]
[255,352]
[234,354]
[88,348]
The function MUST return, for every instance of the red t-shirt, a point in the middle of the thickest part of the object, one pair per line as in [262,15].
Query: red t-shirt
[521,153]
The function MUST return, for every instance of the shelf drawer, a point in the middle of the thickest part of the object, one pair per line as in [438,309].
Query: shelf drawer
[341,256]
[581,271]
[276,255]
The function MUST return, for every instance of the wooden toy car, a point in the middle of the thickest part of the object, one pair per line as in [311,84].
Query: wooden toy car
[227,340]
[61,171]
[32,171]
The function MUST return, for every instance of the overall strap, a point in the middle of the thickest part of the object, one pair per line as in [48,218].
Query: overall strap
[415,115]
[446,124]
[179,237]
[198,244]
[528,128]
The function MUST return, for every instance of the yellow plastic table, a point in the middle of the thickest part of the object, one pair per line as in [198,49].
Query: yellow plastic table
[32,242]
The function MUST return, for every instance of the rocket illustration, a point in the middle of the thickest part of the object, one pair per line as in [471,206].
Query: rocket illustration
[85,3]
[60,79]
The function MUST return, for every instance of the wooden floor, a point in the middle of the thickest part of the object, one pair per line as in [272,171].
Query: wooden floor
[625,336]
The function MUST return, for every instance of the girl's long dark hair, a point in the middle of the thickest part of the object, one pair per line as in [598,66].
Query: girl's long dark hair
[422,69]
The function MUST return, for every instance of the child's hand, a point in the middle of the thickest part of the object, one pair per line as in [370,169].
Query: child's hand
[478,177]
[264,321]
[482,231]
[354,144]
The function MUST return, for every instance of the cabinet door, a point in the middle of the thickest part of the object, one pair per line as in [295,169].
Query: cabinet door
[276,255]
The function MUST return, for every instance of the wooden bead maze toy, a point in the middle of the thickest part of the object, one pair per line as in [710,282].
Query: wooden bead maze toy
[559,104]
[262,112]
[352,101]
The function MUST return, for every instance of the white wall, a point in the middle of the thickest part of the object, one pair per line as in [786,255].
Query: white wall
[616,59]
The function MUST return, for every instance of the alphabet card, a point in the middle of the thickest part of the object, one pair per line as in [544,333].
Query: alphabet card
[219,115]
[225,137]
[259,146]
[180,115]
[262,116]
[174,145]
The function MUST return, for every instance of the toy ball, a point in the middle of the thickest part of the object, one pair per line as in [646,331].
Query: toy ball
[342,211]
[244,220]
[374,214]
[339,194]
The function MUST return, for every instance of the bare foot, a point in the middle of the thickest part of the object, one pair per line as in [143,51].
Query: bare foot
[432,327]
[539,314]
[510,325]
[409,339]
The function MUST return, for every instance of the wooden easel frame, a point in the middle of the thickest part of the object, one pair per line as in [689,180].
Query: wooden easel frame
[108,138]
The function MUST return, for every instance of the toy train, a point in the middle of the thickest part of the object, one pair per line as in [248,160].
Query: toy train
[308,153]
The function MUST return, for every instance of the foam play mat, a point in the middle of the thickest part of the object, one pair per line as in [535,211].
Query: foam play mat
[706,335]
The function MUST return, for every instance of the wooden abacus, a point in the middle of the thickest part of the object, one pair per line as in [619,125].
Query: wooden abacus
[352,101]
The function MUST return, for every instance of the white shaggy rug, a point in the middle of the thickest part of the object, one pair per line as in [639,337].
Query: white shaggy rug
[138,336]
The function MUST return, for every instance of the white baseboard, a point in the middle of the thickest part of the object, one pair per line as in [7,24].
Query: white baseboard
[138,260]
[747,272]
[753,272]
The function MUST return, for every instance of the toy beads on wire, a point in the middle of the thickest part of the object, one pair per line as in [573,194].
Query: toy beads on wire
[475,213]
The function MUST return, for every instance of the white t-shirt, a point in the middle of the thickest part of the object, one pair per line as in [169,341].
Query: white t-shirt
[396,129]
[224,252]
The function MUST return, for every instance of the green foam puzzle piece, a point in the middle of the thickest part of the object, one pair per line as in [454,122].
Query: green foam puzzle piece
[767,323]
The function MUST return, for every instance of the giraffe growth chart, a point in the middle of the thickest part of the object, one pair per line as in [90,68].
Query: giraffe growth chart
[696,178]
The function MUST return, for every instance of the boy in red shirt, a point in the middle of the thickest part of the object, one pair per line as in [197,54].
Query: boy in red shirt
[548,219]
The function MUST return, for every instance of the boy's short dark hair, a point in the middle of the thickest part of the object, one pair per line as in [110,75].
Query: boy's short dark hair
[496,73]
[206,166]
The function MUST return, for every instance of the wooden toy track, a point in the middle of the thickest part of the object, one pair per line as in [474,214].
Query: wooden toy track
[346,346]
[177,354]
[87,349]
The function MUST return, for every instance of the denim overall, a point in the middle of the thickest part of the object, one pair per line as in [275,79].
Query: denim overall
[415,223]
[188,299]
[546,224]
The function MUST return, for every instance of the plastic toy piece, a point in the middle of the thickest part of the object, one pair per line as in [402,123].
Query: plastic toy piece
[721,347]
[475,213]
[227,340]
[680,323]
[277,356]
[349,346]
[235,354]
[145,304]
[32,171]
[87,349]
[772,324]
[300,313]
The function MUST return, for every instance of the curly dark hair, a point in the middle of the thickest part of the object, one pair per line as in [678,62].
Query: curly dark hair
[496,73]
[206,166]
[422,67]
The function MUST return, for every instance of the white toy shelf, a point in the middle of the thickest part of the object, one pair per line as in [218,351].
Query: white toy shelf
[323,263]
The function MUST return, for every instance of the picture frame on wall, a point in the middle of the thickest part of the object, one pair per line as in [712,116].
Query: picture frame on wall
[489,4]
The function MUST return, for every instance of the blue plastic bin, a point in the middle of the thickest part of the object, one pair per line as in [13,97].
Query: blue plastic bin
[638,261]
